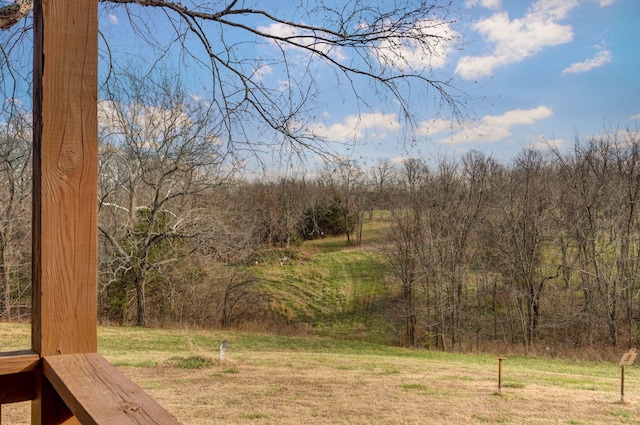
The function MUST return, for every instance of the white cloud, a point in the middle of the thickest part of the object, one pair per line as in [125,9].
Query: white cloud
[599,60]
[434,126]
[544,144]
[13,101]
[284,85]
[398,160]
[152,122]
[301,40]
[114,19]
[492,128]
[355,126]
[635,117]
[108,115]
[517,39]
[604,3]
[415,51]
[262,72]
[426,45]
[489,4]
[281,30]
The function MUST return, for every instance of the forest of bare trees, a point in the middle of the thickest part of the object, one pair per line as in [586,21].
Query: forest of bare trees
[544,249]
[541,250]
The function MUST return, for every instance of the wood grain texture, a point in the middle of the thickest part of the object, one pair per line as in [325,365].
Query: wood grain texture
[65,157]
[65,177]
[47,408]
[16,387]
[18,361]
[99,394]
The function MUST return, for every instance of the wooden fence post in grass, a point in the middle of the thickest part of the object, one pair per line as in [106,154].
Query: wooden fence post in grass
[500,359]
[626,360]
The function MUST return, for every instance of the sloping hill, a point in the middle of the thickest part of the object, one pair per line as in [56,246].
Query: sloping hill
[338,290]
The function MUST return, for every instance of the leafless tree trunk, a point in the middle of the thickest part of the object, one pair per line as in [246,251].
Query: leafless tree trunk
[15,193]
[237,288]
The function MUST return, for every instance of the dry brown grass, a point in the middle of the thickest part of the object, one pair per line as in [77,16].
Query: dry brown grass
[285,388]
[301,387]
[295,388]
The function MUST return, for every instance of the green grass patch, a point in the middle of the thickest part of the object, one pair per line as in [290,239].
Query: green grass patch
[341,294]
[513,384]
[191,362]
[255,416]
[414,386]
[336,288]
[148,363]
[621,414]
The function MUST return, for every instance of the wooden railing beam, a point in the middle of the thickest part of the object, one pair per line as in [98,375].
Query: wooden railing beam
[12,362]
[97,393]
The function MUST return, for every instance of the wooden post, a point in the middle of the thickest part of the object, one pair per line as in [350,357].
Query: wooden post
[622,384]
[500,359]
[65,156]
[627,360]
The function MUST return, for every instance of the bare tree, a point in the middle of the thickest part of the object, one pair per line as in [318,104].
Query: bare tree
[283,203]
[626,219]
[409,239]
[348,180]
[238,295]
[458,191]
[602,173]
[587,171]
[381,176]
[15,202]
[159,153]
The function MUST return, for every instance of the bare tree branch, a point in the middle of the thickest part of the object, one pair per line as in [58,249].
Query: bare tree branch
[392,47]
[14,13]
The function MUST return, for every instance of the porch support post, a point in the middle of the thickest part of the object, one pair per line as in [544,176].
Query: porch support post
[65,157]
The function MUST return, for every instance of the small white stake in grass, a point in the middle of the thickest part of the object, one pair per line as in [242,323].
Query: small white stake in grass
[223,349]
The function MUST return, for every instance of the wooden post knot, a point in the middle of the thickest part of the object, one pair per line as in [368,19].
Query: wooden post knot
[129,407]
[68,161]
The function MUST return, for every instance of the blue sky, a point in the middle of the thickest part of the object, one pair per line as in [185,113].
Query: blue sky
[536,73]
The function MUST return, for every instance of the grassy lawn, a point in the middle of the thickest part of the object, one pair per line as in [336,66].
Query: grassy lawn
[339,289]
[279,380]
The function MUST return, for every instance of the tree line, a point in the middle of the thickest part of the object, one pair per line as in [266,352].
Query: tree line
[544,249]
